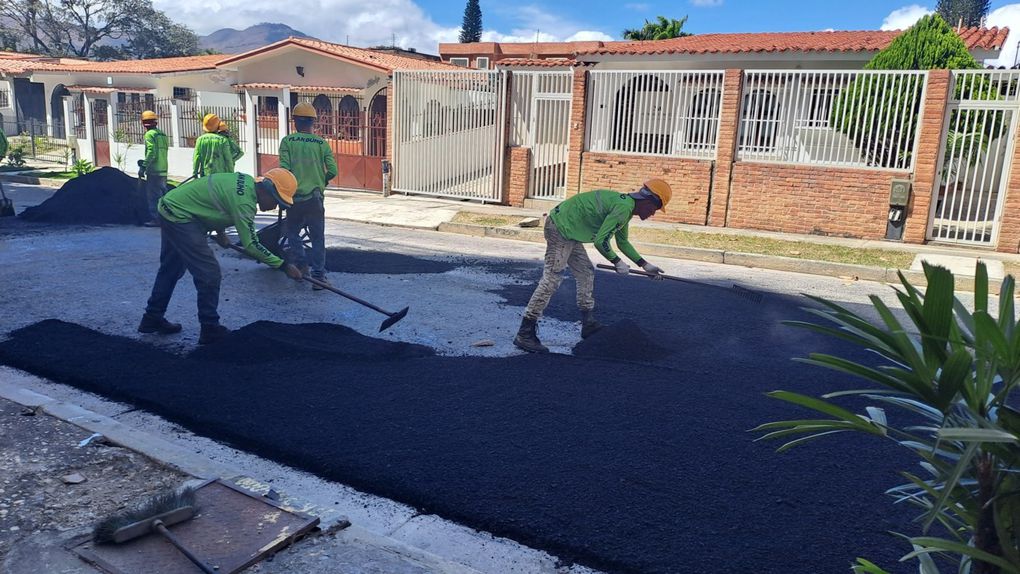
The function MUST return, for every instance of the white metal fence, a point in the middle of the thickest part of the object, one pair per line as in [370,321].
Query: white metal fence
[449,133]
[846,119]
[656,113]
[976,155]
[540,120]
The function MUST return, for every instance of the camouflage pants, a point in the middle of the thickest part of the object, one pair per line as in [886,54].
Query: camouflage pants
[561,253]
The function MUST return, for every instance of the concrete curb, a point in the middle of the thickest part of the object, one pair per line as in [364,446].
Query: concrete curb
[30,180]
[773,262]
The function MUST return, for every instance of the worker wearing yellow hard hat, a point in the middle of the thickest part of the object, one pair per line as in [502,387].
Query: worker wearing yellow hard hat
[592,217]
[215,150]
[312,161]
[187,214]
[154,166]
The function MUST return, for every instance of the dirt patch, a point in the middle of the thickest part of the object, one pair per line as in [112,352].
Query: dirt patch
[38,451]
[106,195]
[623,341]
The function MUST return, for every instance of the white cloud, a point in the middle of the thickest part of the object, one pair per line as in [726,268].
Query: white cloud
[588,36]
[637,6]
[905,17]
[1006,16]
[365,23]
[706,3]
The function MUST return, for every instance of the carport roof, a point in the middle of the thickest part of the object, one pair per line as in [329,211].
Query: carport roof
[293,88]
[109,89]
[381,61]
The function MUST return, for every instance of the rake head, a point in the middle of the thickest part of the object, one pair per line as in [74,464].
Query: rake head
[394,318]
[170,508]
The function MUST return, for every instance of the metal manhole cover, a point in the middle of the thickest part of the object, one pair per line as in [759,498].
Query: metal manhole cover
[232,530]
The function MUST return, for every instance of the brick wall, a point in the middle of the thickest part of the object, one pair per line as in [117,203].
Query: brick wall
[727,147]
[689,178]
[575,146]
[1009,226]
[926,160]
[811,199]
[518,175]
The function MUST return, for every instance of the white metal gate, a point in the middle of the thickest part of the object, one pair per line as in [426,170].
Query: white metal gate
[540,118]
[974,158]
[449,133]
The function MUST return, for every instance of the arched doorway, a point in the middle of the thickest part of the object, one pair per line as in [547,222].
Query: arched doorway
[350,113]
[377,125]
[57,111]
[325,124]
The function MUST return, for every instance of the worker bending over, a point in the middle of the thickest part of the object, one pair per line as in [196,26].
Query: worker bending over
[311,159]
[215,152]
[154,164]
[592,217]
[187,214]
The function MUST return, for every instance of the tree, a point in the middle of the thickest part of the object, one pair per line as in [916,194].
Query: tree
[662,29]
[471,27]
[87,28]
[945,389]
[879,115]
[969,12]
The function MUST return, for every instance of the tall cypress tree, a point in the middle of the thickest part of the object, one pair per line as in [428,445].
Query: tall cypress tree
[969,12]
[471,27]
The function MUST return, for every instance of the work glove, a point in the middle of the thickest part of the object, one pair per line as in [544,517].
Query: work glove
[653,269]
[292,271]
[221,239]
[621,267]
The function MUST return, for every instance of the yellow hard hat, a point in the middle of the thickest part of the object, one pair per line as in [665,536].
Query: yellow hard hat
[149,115]
[304,110]
[661,189]
[285,184]
[211,122]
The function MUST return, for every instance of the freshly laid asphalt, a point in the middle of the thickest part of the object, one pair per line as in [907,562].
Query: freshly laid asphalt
[623,465]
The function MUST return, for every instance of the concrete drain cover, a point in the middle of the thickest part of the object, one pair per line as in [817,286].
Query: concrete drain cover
[232,530]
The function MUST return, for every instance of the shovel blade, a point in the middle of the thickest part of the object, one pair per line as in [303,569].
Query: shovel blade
[6,208]
[394,318]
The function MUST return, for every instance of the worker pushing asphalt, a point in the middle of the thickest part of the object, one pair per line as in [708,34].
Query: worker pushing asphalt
[311,160]
[215,150]
[186,215]
[593,217]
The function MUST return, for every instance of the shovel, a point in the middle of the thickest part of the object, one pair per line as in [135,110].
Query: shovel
[744,292]
[6,205]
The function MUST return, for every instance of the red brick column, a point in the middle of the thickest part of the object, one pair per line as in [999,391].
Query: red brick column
[519,168]
[727,148]
[578,117]
[927,157]
[1009,224]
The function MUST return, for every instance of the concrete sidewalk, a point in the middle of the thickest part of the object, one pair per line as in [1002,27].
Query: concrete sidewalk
[438,215]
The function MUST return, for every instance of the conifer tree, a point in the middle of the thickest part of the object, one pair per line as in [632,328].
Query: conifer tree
[471,27]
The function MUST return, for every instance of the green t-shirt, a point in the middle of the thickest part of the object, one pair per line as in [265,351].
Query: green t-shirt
[219,201]
[594,217]
[156,145]
[311,160]
[215,153]
[3,143]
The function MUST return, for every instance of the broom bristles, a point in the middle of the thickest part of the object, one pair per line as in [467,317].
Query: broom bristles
[154,506]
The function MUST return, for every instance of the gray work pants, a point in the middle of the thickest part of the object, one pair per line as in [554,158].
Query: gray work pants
[561,253]
[155,188]
[185,247]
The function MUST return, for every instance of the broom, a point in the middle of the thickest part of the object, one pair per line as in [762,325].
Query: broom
[156,514]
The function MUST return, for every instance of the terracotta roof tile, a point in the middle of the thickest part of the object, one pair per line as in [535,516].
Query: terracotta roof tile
[370,58]
[535,63]
[153,66]
[845,41]
[271,86]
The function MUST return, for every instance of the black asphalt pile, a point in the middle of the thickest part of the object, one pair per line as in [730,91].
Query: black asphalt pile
[623,340]
[266,341]
[375,263]
[104,196]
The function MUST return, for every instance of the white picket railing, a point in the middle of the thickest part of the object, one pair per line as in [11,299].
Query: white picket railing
[867,119]
[672,114]
[540,107]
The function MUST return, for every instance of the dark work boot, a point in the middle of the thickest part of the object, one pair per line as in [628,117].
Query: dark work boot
[158,324]
[527,339]
[589,326]
[212,334]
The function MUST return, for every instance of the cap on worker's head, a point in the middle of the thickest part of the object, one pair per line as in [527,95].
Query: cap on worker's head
[149,116]
[304,110]
[284,185]
[211,122]
[657,189]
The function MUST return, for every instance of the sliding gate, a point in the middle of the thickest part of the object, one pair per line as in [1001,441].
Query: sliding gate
[449,133]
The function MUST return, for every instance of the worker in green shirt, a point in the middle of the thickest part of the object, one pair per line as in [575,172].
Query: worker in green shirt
[593,217]
[154,164]
[235,149]
[187,214]
[215,152]
[311,159]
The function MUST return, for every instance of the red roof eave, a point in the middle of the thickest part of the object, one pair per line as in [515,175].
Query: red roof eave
[290,42]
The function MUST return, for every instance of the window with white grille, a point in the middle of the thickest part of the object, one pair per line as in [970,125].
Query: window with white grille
[482,63]
[465,62]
